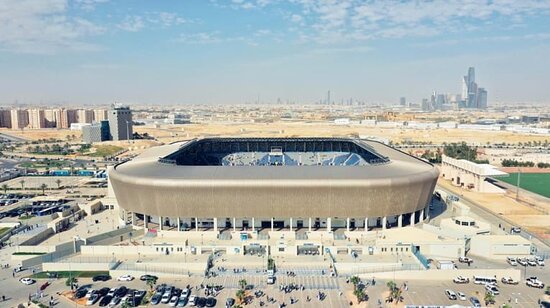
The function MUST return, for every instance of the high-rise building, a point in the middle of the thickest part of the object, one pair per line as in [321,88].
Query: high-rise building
[85,116]
[19,118]
[5,118]
[481,98]
[68,117]
[36,118]
[471,93]
[120,123]
[100,115]
[53,118]
[426,106]
[403,101]
[96,132]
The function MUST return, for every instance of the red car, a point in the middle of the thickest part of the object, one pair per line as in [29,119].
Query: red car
[44,286]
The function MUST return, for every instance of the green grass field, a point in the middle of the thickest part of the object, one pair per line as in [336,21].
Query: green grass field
[535,182]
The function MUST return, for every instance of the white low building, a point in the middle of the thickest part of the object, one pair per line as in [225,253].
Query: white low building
[499,246]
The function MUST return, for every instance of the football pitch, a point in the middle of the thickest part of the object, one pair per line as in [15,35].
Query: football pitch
[535,182]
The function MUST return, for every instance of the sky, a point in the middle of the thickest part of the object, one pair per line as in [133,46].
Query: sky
[236,51]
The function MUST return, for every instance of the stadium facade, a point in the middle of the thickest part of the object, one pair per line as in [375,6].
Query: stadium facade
[273,183]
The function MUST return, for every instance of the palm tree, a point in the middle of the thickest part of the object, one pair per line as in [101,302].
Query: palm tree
[43,187]
[22,182]
[71,281]
[58,182]
[360,294]
[489,298]
[240,295]
[151,282]
[355,281]
[5,188]
[242,284]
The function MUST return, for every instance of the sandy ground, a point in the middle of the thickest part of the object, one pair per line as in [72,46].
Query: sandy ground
[525,170]
[168,133]
[521,214]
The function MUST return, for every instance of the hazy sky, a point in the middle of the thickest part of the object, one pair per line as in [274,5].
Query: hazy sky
[201,51]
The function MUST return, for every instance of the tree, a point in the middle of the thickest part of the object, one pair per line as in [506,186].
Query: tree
[5,188]
[489,298]
[360,294]
[22,182]
[58,182]
[151,282]
[242,284]
[355,281]
[71,281]
[43,187]
[240,295]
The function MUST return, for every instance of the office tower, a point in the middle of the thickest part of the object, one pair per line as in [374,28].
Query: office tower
[464,87]
[403,101]
[432,100]
[19,118]
[120,123]
[85,116]
[96,132]
[5,118]
[36,118]
[426,105]
[68,117]
[440,101]
[100,115]
[481,98]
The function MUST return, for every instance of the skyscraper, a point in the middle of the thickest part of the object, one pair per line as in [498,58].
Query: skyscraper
[471,93]
[403,101]
[120,123]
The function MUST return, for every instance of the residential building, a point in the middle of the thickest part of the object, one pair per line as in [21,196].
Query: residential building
[19,118]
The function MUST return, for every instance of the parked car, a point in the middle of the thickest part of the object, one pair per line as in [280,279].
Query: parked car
[192,300]
[155,300]
[27,281]
[101,278]
[92,299]
[125,278]
[475,302]
[492,289]
[512,261]
[522,262]
[515,230]
[450,294]
[182,301]
[105,300]
[461,279]
[465,260]
[534,282]
[173,301]
[148,277]
[509,280]
[229,302]
[211,302]
[121,291]
[532,262]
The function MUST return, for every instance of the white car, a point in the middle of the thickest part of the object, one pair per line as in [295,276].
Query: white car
[27,281]
[185,292]
[191,300]
[509,280]
[112,292]
[450,294]
[540,262]
[512,261]
[461,279]
[522,262]
[532,262]
[166,298]
[173,301]
[533,282]
[492,289]
[461,296]
[125,278]
[465,260]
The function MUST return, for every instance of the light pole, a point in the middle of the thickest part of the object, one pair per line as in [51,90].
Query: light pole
[128,130]
[517,186]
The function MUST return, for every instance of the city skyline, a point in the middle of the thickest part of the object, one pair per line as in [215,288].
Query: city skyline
[230,52]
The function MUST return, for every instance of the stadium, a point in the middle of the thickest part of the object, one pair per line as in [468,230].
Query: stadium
[274,184]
